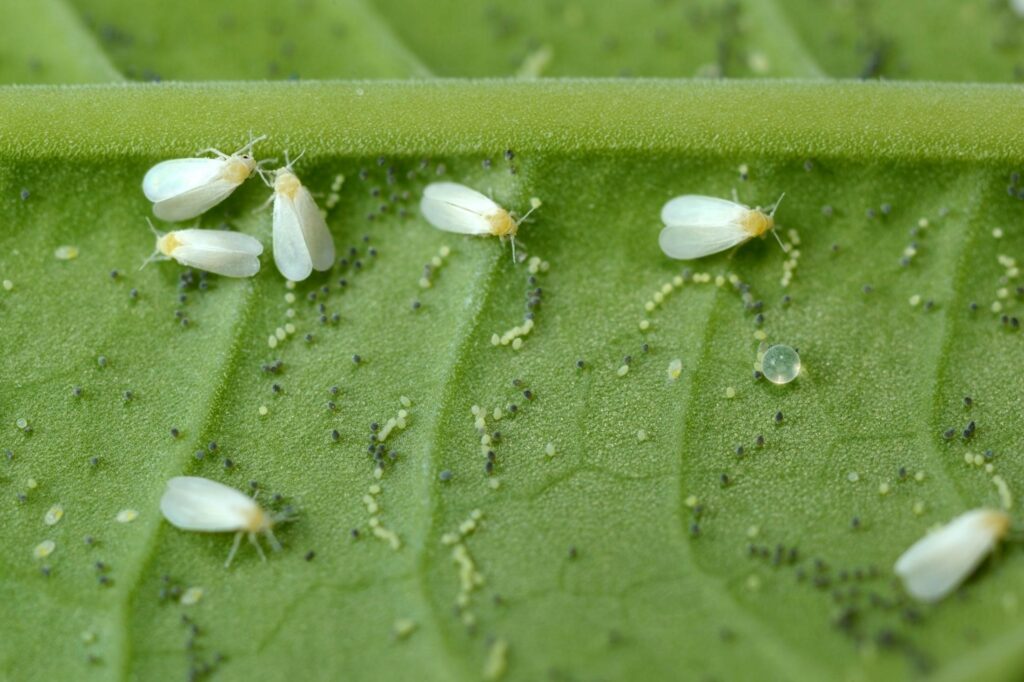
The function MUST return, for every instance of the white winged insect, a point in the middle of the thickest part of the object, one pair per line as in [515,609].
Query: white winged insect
[181,189]
[302,241]
[231,254]
[452,207]
[937,563]
[698,226]
[199,504]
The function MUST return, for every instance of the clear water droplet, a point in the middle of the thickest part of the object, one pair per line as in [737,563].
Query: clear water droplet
[781,364]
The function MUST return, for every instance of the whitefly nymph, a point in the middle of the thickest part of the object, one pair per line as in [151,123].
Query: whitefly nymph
[231,254]
[452,207]
[199,504]
[698,226]
[181,189]
[936,564]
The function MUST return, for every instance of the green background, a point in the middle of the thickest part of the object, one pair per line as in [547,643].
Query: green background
[591,566]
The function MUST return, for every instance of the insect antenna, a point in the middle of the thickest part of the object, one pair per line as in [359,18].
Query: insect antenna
[771,214]
[288,163]
[779,240]
[156,251]
[252,142]
[533,207]
[259,166]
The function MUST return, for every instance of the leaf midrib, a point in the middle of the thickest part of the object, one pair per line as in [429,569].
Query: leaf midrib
[855,121]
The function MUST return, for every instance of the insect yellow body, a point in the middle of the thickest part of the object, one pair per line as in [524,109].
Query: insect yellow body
[756,222]
[167,244]
[287,185]
[502,223]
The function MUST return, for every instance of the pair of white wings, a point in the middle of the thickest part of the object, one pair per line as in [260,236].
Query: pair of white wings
[181,189]
[231,254]
[302,242]
[193,503]
[698,226]
[453,207]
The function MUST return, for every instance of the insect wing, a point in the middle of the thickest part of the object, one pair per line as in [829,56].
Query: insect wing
[194,503]
[318,238]
[194,202]
[698,226]
[456,208]
[222,240]
[172,178]
[291,255]
[937,563]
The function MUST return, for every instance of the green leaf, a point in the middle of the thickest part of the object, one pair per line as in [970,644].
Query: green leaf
[240,39]
[45,42]
[590,564]
[959,40]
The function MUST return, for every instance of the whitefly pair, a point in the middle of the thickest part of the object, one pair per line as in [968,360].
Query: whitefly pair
[695,225]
